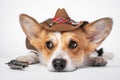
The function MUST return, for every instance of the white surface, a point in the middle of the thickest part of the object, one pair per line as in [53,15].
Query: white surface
[38,72]
[12,37]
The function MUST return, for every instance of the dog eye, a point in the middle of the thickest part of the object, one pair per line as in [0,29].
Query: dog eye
[49,45]
[72,44]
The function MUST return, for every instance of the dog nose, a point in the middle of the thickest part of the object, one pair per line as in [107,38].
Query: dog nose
[59,64]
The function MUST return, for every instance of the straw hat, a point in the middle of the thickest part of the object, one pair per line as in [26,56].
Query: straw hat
[61,22]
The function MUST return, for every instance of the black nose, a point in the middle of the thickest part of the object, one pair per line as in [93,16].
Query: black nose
[59,64]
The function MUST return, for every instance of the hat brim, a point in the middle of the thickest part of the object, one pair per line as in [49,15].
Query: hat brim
[61,27]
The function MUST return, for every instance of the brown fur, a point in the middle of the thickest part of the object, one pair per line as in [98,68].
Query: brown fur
[88,37]
[81,36]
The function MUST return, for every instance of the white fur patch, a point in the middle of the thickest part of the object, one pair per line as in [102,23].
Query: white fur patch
[106,55]
[31,57]
[59,53]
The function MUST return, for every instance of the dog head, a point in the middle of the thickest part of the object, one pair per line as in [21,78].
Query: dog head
[65,50]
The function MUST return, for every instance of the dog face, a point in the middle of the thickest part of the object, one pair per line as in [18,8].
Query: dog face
[65,51]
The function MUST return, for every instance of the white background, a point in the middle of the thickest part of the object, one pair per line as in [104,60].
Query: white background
[12,38]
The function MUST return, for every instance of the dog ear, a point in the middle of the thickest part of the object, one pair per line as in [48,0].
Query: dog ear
[97,31]
[30,26]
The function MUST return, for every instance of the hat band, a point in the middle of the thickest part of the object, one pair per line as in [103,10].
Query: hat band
[61,20]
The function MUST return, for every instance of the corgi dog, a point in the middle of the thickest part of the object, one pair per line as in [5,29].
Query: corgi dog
[62,44]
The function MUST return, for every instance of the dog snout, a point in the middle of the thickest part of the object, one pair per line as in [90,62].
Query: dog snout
[59,64]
